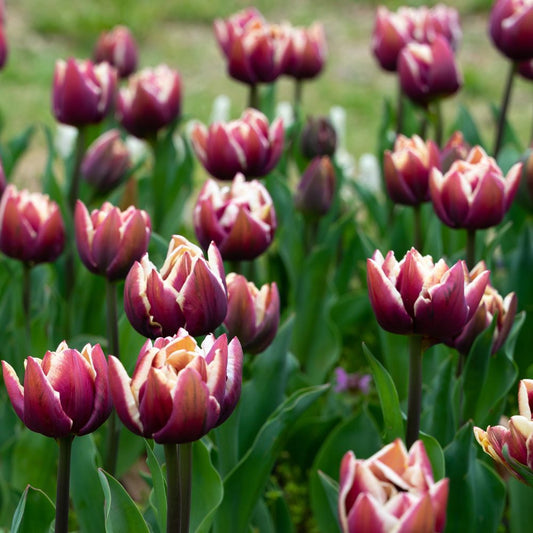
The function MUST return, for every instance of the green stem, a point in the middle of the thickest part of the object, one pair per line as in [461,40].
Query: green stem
[417,216]
[439,126]
[113,342]
[414,406]
[63,484]
[470,248]
[74,188]
[298,92]
[253,96]
[506,98]
[185,482]
[26,302]
[399,110]
[179,467]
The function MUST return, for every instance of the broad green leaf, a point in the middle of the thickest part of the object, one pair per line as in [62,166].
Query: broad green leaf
[520,498]
[331,488]
[121,513]
[388,397]
[35,512]
[158,498]
[464,122]
[253,470]
[435,454]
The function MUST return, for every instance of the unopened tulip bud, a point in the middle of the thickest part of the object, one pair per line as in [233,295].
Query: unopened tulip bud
[82,93]
[455,148]
[31,226]
[118,48]
[109,240]
[65,393]
[253,314]
[150,101]
[179,391]
[316,189]
[307,52]
[318,137]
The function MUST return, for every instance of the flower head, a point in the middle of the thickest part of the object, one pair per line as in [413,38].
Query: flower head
[118,48]
[307,51]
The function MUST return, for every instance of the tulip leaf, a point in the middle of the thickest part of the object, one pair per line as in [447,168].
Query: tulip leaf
[520,498]
[159,499]
[207,489]
[85,489]
[435,455]
[15,147]
[331,488]
[388,397]
[522,470]
[253,470]
[465,123]
[35,512]
[121,513]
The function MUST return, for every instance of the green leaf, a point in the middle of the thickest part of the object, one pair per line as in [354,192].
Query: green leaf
[331,488]
[388,397]
[435,454]
[35,512]
[464,122]
[520,498]
[159,499]
[253,470]
[207,489]
[121,513]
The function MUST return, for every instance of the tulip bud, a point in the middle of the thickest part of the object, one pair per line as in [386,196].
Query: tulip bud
[118,48]
[247,145]
[31,226]
[65,393]
[316,189]
[407,168]
[417,296]
[391,491]
[106,162]
[83,93]
[151,101]
[109,240]
[516,436]
[179,391]
[456,148]
[189,291]
[491,305]
[428,71]
[240,219]
[473,194]
[253,314]
[511,28]
[307,52]
[318,138]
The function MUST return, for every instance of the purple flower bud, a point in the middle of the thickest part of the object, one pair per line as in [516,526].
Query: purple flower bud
[318,138]
[118,48]
[316,188]
[179,391]
[65,393]
[82,93]
[31,226]
[307,52]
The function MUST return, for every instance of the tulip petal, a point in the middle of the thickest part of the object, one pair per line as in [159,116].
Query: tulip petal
[15,390]
[217,361]
[233,380]
[488,203]
[419,517]
[155,400]
[368,515]
[439,500]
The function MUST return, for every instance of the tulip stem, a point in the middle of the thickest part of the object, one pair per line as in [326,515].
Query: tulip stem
[253,96]
[470,248]
[399,110]
[419,239]
[63,484]
[113,342]
[439,126]
[26,302]
[179,467]
[504,107]
[414,405]
[298,92]
[74,189]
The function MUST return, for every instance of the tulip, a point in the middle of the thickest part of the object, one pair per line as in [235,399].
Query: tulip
[109,240]
[318,137]
[65,393]
[515,437]
[83,93]
[253,314]
[492,304]
[443,20]
[473,194]
[240,219]
[247,145]
[31,226]
[307,52]
[455,148]
[420,297]
[316,188]
[106,161]
[179,391]
[525,69]
[227,30]
[118,48]
[151,101]
[391,491]
[407,169]
[189,291]
[511,28]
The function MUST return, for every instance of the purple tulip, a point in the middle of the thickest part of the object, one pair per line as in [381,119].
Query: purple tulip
[318,137]
[150,101]
[253,314]
[31,226]
[407,168]
[82,93]
[316,189]
[247,145]
[109,240]
[179,391]
[307,52]
[65,393]
[118,48]
[189,291]
[418,296]
[227,30]
[474,194]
